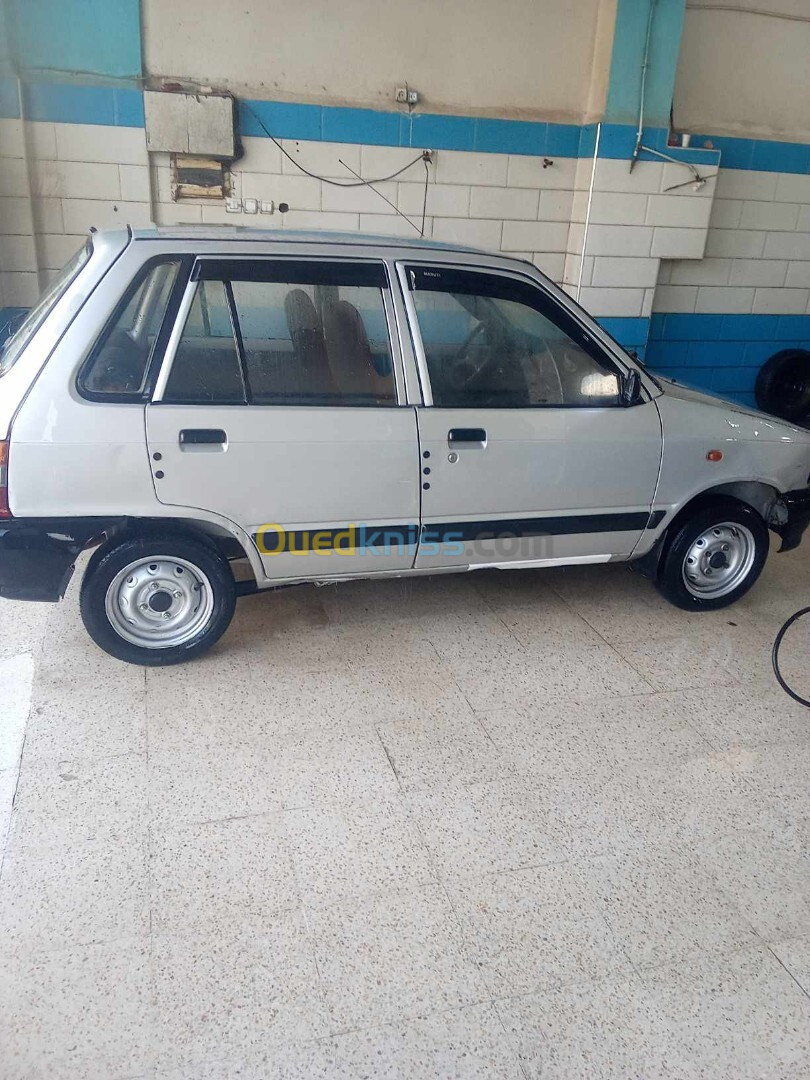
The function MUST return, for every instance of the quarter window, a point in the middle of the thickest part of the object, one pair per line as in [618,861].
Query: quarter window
[286,333]
[119,364]
[492,341]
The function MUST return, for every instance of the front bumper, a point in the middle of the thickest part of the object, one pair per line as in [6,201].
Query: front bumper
[797,505]
[37,555]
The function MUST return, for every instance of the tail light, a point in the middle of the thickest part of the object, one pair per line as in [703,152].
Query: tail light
[4,509]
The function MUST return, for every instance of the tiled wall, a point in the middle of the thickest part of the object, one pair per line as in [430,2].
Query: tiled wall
[738,244]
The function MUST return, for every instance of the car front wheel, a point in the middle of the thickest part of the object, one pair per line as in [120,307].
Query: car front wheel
[157,602]
[714,556]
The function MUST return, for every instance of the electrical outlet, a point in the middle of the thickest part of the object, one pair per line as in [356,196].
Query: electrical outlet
[267,206]
[251,206]
[401,95]
[233,206]
[413,97]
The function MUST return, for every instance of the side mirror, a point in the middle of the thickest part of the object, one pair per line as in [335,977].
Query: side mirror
[631,388]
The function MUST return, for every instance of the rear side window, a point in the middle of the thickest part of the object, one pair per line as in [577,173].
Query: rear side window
[286,333]
[118,367]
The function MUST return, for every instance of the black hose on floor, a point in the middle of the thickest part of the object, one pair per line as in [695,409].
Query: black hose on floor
[775,656]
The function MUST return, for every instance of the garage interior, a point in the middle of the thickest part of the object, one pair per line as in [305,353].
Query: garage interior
[511,824]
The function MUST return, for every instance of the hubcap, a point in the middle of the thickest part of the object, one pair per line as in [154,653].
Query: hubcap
[159,603]
[719,560]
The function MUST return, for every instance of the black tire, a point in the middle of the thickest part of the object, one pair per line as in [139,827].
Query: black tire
[205,626]
[783,385]
[751,536]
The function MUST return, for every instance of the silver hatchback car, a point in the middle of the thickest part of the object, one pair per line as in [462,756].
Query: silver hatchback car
[224,411]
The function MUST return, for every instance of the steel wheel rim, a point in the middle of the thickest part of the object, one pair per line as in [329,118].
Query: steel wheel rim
[719,560]
[160,602]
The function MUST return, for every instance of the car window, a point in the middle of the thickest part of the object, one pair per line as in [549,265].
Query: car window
[290,332]
[118,366]
[492,341]
[206,366]
[14,346]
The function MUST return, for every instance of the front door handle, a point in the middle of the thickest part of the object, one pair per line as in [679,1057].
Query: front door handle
[211,438]
[466,436]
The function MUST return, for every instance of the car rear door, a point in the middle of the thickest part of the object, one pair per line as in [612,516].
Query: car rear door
[279,408]
[530,456]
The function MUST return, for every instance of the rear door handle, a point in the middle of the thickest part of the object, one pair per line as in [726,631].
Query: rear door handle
[470,436]
[211,437]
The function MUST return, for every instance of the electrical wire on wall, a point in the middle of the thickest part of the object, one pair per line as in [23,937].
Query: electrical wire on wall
[425,156]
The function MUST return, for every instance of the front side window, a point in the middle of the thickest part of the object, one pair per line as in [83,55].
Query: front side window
[492,341]
[117,368]
[286,333]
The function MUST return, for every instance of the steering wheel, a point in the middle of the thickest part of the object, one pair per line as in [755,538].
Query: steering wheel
[464,371]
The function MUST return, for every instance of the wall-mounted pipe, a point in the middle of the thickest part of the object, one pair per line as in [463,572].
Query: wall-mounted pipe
[644,66]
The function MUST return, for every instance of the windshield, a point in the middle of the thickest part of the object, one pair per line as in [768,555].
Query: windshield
[13,348]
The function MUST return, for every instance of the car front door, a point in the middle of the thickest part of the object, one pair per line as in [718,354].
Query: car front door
[528,454]
[278,408]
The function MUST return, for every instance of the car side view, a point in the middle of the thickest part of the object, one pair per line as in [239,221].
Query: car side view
[225,411]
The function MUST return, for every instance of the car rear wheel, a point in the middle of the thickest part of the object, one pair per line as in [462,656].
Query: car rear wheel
[714,556]
[155,601]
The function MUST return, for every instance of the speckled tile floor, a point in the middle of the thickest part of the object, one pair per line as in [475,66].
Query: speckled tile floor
[499,825]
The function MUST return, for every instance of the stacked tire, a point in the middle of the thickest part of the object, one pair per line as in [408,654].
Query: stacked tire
[783,385]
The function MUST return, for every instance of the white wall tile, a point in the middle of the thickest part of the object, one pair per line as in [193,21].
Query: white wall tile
[735,244]
[551,263]
[701,272]
[479,233]
[394,225]
[135,185]
[101,143]
[576,238]
[13,176]
[535,235]
[262,155]
[618,208]
[579,206]
[508,203]
[299,192]
[376,161]
[781,301]
[314,219]
[47,214]
[758,272]
[76,180]
[527,171]
[178,213]
[42,139]
[629,272]
[798,275]
[614,175]
[17,253]
[618,240]
[82,214]
[726,214]
[612,301]
[803,224]
[15,216]
[11,144]
[793,187]
[361,200]
[675,298]
[321,158]
[555,206]
[20,289]
[447,200]
[463,167]
[787,245]
[56,249]
[647,303]
[678,211]
[724,300]
[769,215]
[746,184]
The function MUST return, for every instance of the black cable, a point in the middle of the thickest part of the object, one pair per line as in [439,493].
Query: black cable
[424,200]
[324,179]
[775,656]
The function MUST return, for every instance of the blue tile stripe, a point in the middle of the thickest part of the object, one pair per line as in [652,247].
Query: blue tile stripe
[722,353]
[122,106]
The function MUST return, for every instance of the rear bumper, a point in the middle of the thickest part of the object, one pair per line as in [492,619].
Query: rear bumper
[37,555]
[797,505]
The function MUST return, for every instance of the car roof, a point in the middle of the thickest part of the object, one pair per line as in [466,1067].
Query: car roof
[242,233]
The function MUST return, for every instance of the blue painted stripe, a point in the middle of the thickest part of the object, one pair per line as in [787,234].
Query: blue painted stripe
[73,103]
